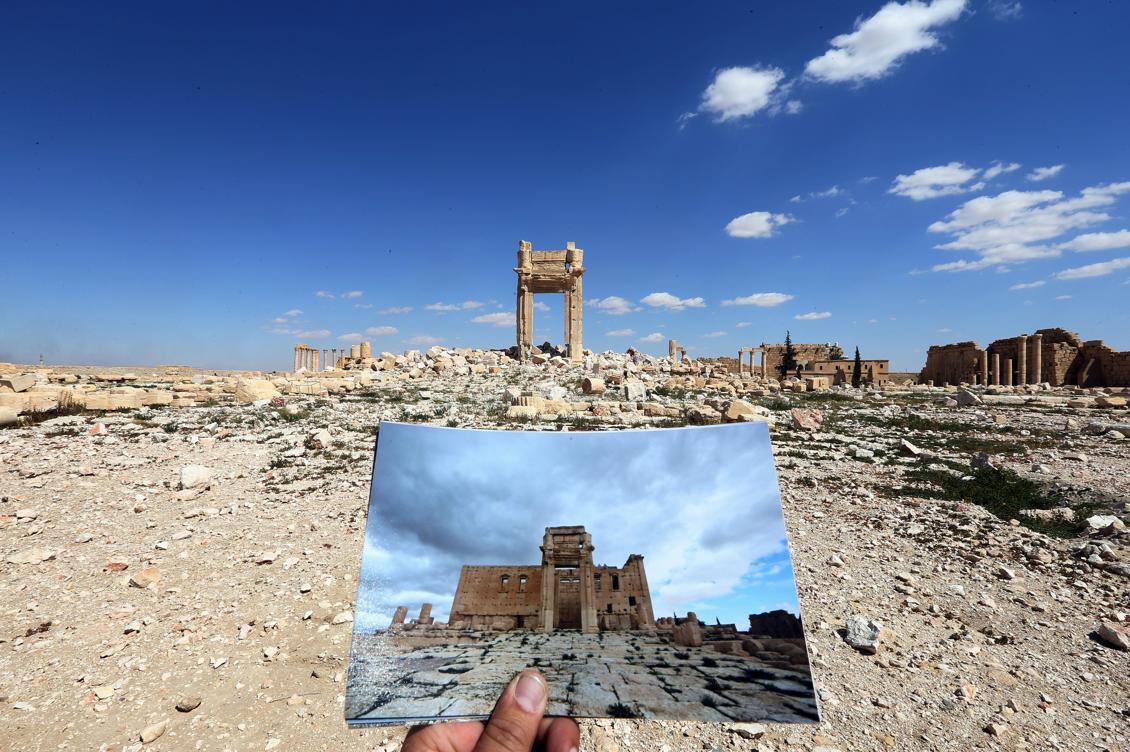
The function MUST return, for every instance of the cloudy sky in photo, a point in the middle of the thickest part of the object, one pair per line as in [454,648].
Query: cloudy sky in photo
[700,504]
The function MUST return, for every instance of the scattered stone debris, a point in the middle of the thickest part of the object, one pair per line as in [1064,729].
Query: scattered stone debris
[125,579]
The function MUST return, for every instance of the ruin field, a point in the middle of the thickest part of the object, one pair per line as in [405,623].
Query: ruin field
[624,674]
[186,575]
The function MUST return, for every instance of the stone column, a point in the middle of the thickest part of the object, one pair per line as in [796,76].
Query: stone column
[1008,371]
[296,358]
[548,583]
[589,624]
[325,359]
[1037,359]
[996,369]
[401,613]
[984,367]
[1022,360]
[425,614]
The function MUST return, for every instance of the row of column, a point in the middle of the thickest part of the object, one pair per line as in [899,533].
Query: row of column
[311,359]
[994,376]
[752,354]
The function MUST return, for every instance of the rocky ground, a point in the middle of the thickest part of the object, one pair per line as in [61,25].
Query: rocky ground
[182,578]
[636,674]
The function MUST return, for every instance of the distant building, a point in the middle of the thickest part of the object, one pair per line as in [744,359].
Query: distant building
[565,591]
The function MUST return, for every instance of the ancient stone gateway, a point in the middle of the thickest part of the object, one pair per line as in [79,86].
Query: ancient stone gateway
[549,271]
[565,592]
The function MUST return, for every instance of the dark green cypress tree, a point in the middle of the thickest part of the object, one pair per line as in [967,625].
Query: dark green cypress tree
[857,369]
[788,362]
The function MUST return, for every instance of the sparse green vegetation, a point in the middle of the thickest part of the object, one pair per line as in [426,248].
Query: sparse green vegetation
[620,710]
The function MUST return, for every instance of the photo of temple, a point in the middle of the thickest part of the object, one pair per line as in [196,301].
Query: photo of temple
[566,591]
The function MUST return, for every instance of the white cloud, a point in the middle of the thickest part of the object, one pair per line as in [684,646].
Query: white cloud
[280,320]
[379,331]
[499,319]
[540,306]
[621,333]
[714,334]
[396,309]
[1097,241]
[758,224]
[1094,270]
[1028,285]
[1063,297]
[653,337]
[325,295]
[999,168]
[872,321]
[310,333]
[423,339]
[613,305]
[945,330]
[813,316]
[878,43]
[760,299]
[671,302]
[1014,226]
[466,305]
[293,312]
[742,324]
[363,306]
[931,182]
[793,107]
[740,92]
[351,337]
[352,294]
[1005,10]
[1043,173]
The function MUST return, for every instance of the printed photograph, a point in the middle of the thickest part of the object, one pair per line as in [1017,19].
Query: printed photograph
[646,573]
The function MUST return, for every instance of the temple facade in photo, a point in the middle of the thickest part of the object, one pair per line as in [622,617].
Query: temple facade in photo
[565,592]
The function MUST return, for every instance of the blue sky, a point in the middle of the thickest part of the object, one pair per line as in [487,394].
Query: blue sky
[700,504]
[178,183]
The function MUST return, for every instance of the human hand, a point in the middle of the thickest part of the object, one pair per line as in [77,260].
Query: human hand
[516,725]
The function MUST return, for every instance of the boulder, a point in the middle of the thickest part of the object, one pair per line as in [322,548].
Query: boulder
[806,418]
[1114,634]
[634,391]
[23,382]
[253,390]
[863,633]
[1099,401]
[688,634]
[194,476]
[8,416]
[966,398]
[592,385]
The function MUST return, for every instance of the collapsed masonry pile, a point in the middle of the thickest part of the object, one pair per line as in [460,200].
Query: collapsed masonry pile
[608,380]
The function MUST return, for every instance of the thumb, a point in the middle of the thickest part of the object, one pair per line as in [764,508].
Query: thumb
[513,726]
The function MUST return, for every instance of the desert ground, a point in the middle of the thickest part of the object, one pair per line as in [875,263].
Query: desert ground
[182,577]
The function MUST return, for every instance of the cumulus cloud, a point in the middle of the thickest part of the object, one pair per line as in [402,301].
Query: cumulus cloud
[621,333]
[671,302]
[351,337]
[740,92]
[1015,226]
[813,316]
[999,168]
[466,305]
[352,294]
[758,224]
[714,334]
[653,337]
[325,295]
[1028,285]
[724,544]
[760,299]
[1005,10]
[499,319]
[1043,173]
[877,44]
[540,306]
[942,180]
[1097,241]
[1063,297]
[613,305]
[396,309]
[380,331]
[1100,269]
[423,339]
[743,325]
[305,333]
[293,312]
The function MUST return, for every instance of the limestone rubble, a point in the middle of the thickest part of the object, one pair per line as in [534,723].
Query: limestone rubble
[125,593]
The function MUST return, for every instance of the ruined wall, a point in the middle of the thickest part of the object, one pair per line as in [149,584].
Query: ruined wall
[622,597]
[874,371]
[481,596]
[952,364]
[805,353]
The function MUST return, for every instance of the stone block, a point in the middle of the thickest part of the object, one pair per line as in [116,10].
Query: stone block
[18,383]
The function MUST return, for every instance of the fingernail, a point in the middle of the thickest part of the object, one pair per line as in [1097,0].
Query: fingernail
[529,693]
